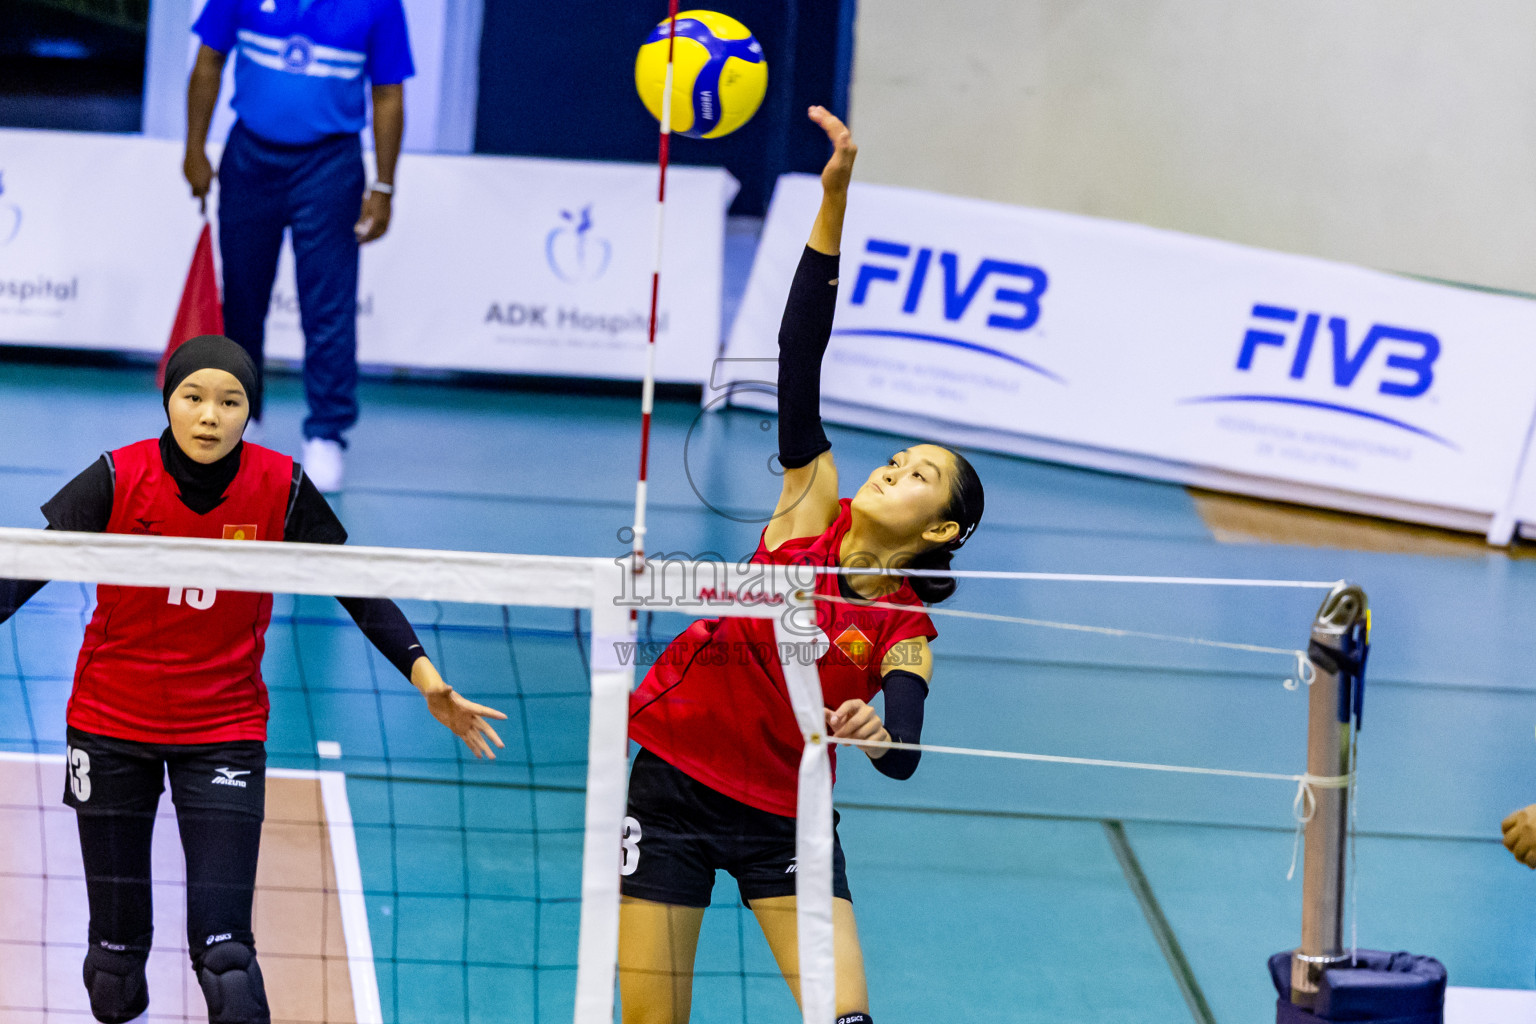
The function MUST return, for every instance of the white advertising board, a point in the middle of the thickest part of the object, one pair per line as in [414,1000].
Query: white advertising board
[1146,351]
[491,263]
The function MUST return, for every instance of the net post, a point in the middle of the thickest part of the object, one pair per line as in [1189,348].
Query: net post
[613,677]
[1335,630]
[813,809]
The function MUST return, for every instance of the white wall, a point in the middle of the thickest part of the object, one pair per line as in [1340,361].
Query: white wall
[1398,134]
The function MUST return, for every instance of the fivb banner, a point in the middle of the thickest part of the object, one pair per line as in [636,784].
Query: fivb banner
[490,264]
[1145,351]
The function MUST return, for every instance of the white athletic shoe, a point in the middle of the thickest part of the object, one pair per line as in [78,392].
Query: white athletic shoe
[253,432]
[322,463]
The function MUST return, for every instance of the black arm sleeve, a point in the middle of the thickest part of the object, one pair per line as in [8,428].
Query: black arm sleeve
[84,505]
[803,336]
[905,693]
[311,520]
[15,593]
[385,626]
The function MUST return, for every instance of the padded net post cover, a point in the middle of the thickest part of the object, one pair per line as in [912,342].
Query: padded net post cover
[1384,988]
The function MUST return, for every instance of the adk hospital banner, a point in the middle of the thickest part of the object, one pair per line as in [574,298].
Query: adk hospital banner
[491,263]
[1145,351]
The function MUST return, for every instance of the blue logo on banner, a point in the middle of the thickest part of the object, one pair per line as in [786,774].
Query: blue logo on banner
[1013,303]
[573,252]
[10,216]
[1407,369]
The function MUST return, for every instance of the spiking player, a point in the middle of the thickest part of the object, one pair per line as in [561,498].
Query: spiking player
[715,783]
[170,680]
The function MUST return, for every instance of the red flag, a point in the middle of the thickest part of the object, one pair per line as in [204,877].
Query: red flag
[200,311]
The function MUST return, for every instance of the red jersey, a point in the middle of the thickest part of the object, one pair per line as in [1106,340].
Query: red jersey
[181,665]
[715,705]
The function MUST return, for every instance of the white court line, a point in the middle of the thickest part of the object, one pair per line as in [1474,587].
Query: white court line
[1489,1005]
[366,1004]
[22,757]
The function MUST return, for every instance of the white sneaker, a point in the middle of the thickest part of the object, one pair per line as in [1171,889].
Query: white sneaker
[323,464]
[253,432]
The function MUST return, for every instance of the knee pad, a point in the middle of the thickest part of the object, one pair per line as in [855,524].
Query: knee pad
[854,1018]
[114,977]
[231,983]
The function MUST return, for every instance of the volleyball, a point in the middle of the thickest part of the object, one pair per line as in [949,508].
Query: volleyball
[719,74]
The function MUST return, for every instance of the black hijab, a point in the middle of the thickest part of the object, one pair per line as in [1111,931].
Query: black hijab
[202,486]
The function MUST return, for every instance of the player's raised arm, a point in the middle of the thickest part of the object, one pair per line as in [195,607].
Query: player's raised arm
[808,501]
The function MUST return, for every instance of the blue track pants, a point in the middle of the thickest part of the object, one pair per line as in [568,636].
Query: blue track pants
[314,191]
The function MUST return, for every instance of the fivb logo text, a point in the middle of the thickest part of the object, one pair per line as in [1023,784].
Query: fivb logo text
[1012,304]
[1405,367]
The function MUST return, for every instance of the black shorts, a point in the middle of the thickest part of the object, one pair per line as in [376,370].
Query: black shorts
[104,775]
[679,832]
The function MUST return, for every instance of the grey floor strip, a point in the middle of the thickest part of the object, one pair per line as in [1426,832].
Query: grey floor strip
[1189,987]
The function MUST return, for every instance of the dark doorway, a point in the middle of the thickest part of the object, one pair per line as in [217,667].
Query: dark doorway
[75,65]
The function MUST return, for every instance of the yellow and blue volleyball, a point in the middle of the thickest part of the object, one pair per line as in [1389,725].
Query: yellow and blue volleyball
[719,74]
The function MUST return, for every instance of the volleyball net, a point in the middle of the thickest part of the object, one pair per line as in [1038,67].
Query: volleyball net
[403,880]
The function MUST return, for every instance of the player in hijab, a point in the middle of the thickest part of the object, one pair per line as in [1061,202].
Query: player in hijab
[169,681]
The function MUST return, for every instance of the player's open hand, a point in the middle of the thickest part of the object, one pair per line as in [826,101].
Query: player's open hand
[856,720]
[1520,835]
[839,170]
[466,720]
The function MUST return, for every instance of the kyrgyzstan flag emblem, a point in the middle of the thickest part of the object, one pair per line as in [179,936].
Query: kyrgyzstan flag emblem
[856,647]
[200,311]
[241,532]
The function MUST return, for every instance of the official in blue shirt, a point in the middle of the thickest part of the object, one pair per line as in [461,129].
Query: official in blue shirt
[293,162]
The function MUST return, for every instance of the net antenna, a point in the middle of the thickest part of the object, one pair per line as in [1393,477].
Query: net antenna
[648,383]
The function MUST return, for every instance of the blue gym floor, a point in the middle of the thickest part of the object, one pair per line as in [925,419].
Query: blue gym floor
[985,890]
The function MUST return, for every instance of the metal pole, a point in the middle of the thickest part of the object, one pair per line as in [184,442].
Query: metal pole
[1338,620]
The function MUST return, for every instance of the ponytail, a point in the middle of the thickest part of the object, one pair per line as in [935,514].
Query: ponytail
[932,589]
[966,503]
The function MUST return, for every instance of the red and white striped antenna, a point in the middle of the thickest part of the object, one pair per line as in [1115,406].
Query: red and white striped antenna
[648,386]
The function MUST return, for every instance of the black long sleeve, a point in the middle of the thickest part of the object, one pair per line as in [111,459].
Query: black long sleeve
[15,593]
[385,626]
[803,336]
[905,694]
[311,520]
[84,505]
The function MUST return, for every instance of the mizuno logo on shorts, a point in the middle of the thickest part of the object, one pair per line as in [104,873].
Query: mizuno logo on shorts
[229,777]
